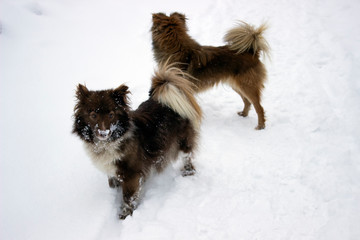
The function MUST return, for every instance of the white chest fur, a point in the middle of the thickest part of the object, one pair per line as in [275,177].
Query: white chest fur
[103,155]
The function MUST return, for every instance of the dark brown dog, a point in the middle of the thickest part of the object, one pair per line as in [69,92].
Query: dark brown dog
[236,63]
[127,144]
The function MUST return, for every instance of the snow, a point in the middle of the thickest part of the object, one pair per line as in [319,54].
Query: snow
[297,179]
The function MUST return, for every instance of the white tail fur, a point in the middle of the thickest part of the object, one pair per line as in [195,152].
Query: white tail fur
[171,88]
[246,37]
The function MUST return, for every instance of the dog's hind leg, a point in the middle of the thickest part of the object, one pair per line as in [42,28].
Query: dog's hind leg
[247,104]
[187,146]
[253,94]
[250,92]
[188,169]
[261,116]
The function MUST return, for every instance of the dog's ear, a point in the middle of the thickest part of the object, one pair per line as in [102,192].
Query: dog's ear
[179,16]
[82,92]
[158,16]
[120,96]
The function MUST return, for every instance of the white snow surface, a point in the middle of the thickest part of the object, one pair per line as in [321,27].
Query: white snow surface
[297,179]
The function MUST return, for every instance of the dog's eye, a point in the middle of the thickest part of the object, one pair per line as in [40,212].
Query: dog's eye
[93,115]
[111,115]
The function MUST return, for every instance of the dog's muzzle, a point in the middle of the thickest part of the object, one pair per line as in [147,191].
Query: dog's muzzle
[103,134]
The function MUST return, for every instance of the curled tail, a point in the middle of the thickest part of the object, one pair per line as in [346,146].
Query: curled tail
[171,88]
[247,38]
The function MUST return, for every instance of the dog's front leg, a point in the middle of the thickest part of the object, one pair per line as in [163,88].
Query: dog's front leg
[131,191]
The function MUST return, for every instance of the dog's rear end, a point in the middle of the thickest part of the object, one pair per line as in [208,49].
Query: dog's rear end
[244,40]
[172,90]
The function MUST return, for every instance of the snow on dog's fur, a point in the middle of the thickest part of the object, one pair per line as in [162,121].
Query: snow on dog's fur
[127,144]
[236,63]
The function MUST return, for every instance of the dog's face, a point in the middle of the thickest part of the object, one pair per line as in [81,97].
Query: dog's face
[161,22]
[101,115]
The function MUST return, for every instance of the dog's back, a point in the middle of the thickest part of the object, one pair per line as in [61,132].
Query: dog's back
[218,64]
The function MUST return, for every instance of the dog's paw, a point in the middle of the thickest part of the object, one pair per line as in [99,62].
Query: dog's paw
[188,170]
[125,211]
[114,183]
[242,114]
[259,127]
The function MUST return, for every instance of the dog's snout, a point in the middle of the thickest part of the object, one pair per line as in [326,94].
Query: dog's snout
[102,131]
[103,134]
[102,126]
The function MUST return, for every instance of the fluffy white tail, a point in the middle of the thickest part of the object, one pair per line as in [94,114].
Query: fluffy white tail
[245,37]
[171,88]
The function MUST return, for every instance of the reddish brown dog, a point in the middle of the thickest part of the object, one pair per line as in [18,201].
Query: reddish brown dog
[236,64]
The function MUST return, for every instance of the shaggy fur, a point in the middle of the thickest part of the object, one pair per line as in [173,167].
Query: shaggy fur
[236,63]
[127,144]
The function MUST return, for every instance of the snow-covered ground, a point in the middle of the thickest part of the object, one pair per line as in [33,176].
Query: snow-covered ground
[297,179]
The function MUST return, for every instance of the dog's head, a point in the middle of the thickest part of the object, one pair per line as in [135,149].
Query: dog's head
[101,115]
[163,23]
